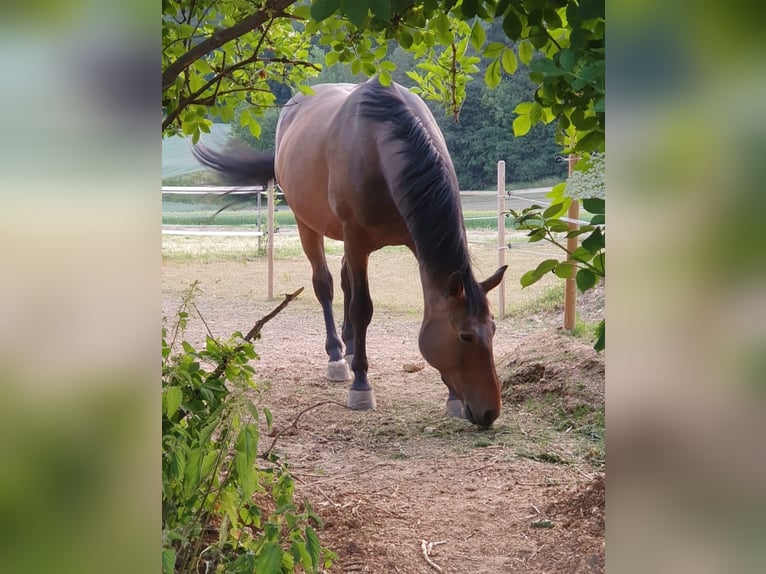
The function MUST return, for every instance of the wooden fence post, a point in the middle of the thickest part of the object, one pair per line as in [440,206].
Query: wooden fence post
[570,290]
[270,240]
[501,234]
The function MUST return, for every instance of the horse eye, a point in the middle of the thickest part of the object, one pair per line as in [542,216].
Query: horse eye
[465,337]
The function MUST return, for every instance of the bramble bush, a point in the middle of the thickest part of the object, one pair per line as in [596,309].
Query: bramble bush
[224,508]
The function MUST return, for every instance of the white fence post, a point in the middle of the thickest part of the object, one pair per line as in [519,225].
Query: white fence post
[270,240]
[501,234]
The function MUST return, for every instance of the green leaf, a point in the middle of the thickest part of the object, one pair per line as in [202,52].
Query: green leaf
[173,398]
[598,219]
[469,8]
[269,418]
[331,57]
[599,262]
[381,8]
[600,105]
[356,10]
[493,50]
[565,270]
[269,559]
[600,336]
[546,266]
[300,553]
[512,25]
[247,442]
[192,471]
[529,278]
[558,226]
[536,235]
[313,546]
[567,59]
[552,18]
[594,205]
[478,36]
[405,39]
[492,75]
[556,209]
[510,64]
[384,77]
[547,67]
[168,561]
[595,241]
[557,192]
[442,27]
[526,51]
[585,279]
[322,9]
[521,125]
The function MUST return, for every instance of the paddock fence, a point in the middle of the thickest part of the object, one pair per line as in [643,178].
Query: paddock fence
[500,201]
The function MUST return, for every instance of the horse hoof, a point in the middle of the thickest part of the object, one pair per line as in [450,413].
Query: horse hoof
[361,400]
[338,371]
[456,408]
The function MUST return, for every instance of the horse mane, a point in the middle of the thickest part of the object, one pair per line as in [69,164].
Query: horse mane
[424,189]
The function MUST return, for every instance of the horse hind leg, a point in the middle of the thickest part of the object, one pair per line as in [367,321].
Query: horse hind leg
[321,279]
[361,395]
[347,331]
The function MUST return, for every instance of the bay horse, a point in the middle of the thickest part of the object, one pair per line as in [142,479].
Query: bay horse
[368,165]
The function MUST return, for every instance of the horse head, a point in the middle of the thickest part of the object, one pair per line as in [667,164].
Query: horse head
[456,338]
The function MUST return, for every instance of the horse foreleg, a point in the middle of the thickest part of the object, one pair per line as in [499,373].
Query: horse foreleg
[321,279]
[361,396]
[455,405]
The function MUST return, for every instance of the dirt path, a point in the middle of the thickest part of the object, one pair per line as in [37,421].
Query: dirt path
[521,497]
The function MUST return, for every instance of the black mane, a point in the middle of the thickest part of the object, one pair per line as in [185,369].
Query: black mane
[426,189]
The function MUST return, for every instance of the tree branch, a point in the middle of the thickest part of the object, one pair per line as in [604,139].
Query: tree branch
[271,9]
[254,332]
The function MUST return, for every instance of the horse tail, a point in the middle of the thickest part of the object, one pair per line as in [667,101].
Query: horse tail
[239,167]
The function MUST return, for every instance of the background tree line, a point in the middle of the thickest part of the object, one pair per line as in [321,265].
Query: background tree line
[477,139]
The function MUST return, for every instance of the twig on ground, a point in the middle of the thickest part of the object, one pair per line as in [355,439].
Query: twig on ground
[424,547]
[481,467]
[294,424]
[329,478]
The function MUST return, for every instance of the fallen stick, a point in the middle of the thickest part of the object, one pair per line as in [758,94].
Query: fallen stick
[352,473]
[294,424]
[431,563]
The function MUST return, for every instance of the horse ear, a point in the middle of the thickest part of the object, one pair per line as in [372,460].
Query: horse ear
[454,285]
[491,282]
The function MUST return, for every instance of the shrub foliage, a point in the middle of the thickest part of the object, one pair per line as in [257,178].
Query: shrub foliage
[224,508]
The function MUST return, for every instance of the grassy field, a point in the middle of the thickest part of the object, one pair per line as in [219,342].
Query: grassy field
[479,210]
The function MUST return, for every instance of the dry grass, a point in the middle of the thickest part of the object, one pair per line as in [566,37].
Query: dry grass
[393,272]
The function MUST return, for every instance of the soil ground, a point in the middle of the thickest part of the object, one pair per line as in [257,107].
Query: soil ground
[526,496]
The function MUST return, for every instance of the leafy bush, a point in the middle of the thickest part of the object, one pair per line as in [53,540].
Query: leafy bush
[587,263]
[221,510]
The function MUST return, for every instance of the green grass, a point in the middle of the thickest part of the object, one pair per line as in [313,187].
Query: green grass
[549,300]
[238,217]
